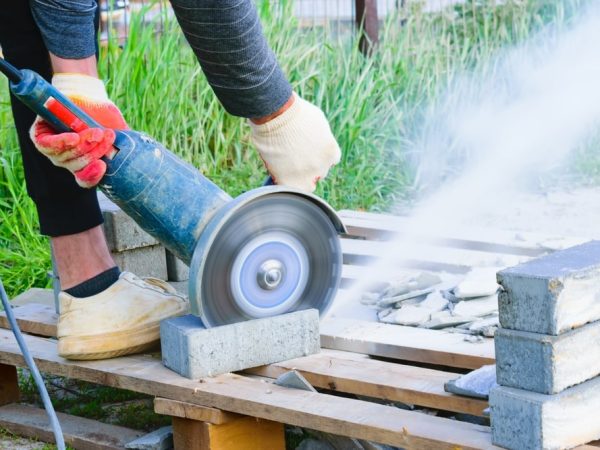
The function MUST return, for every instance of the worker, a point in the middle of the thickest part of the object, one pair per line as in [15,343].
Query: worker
[105,312]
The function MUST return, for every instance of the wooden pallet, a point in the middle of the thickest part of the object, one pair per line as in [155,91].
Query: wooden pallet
[246,410]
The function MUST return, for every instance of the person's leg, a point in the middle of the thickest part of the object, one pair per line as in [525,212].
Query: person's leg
[68,214]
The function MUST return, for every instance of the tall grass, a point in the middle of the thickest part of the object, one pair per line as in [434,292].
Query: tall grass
[370,102]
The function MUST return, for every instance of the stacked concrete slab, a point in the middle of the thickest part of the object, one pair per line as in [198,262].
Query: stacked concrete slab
[548,352]
[132,248]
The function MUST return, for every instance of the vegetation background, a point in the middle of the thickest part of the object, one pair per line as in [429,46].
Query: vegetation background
[373,104]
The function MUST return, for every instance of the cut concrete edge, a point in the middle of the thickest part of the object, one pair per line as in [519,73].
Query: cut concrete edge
[547,364]
[196,352]
[537,295]
[529,420]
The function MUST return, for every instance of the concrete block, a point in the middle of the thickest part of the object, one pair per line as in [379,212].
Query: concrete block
[161,439]
[176,268]
[144,261]
[552,294]
[523,420]
[196,352]
[547,364]
[121,231]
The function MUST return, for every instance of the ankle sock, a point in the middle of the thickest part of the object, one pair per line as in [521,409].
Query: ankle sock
[96,284]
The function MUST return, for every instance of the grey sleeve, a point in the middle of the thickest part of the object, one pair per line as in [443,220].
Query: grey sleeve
[67,26]
[227,38]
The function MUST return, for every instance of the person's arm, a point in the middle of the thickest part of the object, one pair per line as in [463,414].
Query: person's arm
[68,27]
[291,135]
[227,38]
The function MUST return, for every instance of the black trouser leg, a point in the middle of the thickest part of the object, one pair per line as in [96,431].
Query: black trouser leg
[63,207]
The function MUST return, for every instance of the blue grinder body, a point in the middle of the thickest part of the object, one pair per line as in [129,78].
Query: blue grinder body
[185,211]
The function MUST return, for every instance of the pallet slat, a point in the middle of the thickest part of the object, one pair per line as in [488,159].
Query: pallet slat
[454,260]
[361,375]
[385,227]
[354,418]
[406,343]
[79,433]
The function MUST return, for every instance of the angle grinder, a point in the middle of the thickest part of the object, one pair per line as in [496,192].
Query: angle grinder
[269,251]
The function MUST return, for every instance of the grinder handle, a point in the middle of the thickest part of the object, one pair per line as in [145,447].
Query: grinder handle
[35,92]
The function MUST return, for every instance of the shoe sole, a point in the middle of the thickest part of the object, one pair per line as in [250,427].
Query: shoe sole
[109,345]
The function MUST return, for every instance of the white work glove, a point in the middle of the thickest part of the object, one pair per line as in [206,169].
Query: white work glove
[297,146]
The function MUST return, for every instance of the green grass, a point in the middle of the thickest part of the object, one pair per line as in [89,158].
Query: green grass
[372,104]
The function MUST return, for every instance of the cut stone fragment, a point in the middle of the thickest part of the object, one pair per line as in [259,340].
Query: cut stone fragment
[444,319]
[419,282]
[547,364]
[523,420]
[412,315]
[435,301]
[477,383]
[554,293]
[478,283]
[477,308]
[485,327]
[196,352]
[370,298]
[387,301]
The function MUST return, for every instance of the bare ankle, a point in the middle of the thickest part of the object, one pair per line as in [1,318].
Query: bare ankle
[81,256]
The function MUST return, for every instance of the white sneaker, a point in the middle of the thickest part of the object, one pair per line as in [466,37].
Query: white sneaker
[120,320]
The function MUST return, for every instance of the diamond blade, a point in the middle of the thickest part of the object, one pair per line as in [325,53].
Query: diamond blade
[277,254]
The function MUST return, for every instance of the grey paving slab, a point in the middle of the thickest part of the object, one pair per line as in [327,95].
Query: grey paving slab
[196,352]
[121,231]
[523,420]
[547,364]
[554,293]
[177,270]
[144,262]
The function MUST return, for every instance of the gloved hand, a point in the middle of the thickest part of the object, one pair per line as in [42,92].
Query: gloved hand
[80,151]
[297,146]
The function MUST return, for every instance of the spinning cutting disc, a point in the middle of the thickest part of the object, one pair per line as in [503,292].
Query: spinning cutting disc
[276,254]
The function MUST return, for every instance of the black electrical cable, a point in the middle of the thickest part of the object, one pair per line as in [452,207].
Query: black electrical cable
[58,435]
[10,71]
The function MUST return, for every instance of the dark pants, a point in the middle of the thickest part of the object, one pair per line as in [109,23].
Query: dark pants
[63,207]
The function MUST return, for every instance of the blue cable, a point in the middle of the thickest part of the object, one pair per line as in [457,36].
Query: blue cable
[56,429]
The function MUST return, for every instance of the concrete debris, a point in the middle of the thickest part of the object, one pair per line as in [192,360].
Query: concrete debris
[435,301]
[387,301]
[445,319]
[480,307]
[477,383]
[480,282]
[410,315]
[423,280]
[425,301]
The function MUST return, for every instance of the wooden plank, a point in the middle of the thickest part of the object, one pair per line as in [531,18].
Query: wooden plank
[244,433]
[34,295]
[401,342]
[9,384]
[79,433]
[189,435]
[33,318]
[406,343]
[385,227]
[234,393]
[361,375]
[185,410]
[430,257]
